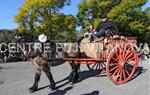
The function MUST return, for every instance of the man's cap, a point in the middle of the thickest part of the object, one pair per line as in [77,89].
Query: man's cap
[103,16]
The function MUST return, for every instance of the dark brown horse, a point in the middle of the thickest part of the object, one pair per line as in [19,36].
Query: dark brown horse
[43,62]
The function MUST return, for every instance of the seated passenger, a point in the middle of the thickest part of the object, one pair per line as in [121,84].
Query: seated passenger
[90,32]
[106,27]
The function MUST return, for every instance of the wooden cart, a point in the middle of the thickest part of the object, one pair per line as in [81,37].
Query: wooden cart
[117,56]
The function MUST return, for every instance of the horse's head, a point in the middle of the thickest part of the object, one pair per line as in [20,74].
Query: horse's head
[37,48]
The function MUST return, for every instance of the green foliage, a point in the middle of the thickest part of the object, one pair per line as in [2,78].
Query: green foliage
[43,16]
[7,35]
[61,37]
[89,10]
[127,14]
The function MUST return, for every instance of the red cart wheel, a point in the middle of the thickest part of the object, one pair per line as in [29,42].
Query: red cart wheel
[122,62]
[100,67]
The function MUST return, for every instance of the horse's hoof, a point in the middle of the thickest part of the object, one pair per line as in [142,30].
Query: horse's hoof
[75,80]
[52,87]
[70,79]
[32,89]
[72,84]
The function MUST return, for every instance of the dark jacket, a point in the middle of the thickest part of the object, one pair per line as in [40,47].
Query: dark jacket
[108,25]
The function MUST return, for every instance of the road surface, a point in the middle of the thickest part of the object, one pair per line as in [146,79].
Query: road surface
[16,78]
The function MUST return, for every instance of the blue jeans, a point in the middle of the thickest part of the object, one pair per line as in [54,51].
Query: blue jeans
[104,33]
[91,36]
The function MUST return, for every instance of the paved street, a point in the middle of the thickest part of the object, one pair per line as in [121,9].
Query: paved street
[16,78]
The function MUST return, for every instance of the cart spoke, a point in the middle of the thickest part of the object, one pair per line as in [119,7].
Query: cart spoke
[127,72]
[123,72]
[129,56]
[119,72]
[101,65]
[104,64]
[115,67]
[131,59]
[93,66]
[112,64]
[127,53]
[117,55]
[121,53]
[120,75]
[128,48]
[115,72]
[115,59]
[97,66]
[115,77]
[124,52]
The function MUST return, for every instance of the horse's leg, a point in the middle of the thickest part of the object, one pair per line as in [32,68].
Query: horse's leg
[46,69]
[76,75]
[73,76]
[36,80]
[38,69]
[70,77]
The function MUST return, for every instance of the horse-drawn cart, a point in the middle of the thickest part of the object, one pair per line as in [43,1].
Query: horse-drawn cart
[117,56]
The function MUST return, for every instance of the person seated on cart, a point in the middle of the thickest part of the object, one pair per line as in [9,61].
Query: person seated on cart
[106,27]
[90,33]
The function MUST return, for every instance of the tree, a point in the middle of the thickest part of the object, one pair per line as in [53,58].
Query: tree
[43,16]
[131,18]
[127,14]
[7,35]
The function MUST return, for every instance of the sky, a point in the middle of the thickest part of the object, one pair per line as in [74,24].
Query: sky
[9,8]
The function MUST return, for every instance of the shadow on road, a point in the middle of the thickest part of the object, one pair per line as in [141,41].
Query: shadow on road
[42,88]
[92,93]
[61,92]
[56,83]
[62,85]
[83,75]
[139,71]
[1,82]
[87,74]
[3,68]
[62,80]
